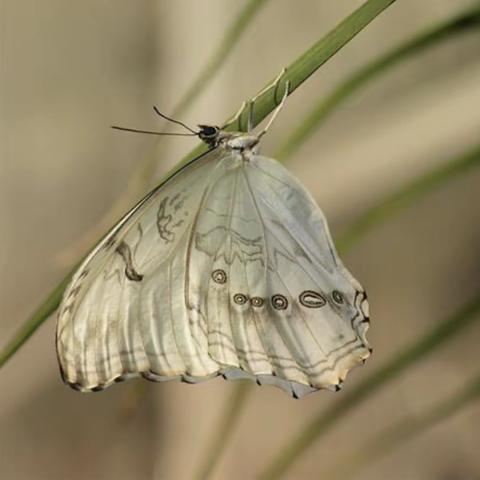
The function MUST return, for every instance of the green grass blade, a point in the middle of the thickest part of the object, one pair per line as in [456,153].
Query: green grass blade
[321,423]
[297,73]
[466,21]
[405,430]
[304,66]
[407,195]
[49,305]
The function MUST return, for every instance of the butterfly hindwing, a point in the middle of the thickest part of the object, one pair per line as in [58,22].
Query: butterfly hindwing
[323,297]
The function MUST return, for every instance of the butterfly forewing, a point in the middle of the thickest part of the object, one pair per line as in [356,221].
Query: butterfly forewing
[114,300]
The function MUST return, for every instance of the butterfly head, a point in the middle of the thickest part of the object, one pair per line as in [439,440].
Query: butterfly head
[209,134]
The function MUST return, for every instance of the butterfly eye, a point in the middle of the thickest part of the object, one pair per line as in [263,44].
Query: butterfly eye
[207,131]
[337,297]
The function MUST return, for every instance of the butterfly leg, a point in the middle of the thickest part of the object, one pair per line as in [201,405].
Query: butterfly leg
[274,84]
[276,111]
[250,104]
[236,117]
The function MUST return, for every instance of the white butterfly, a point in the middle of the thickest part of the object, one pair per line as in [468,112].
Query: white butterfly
[226,268]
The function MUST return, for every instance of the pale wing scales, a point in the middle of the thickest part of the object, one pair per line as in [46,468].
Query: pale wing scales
[195,355]
[288,354]
[297,209]
[103,294]
[304,348]
[220,337]
[210,272]
[261,272]
[157,326]
[248,279]
[239,245]
[328,340]
[235,245]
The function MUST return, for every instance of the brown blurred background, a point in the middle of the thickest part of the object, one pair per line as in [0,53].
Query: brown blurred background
[68,70]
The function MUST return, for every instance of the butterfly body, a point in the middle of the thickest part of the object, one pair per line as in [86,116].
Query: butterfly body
[228,268]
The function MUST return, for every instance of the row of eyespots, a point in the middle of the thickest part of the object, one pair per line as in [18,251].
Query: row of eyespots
[279,302]
[241,299]
[312,299]
[308,298]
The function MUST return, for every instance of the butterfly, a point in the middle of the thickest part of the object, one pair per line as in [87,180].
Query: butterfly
[226,268]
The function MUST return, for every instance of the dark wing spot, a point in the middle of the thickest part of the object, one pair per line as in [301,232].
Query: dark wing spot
[279,302]
[257,301]
[124,250]
[219,276]
[312,299]
[337,297]
[240,298]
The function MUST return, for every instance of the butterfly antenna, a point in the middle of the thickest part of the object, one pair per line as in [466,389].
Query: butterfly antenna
[159,113]
[149,132]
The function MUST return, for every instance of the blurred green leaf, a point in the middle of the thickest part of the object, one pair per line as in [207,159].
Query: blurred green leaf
[216,61]
[321,424]
[404,430]
[407,195]
[225,427]
[49,305]
[466,21]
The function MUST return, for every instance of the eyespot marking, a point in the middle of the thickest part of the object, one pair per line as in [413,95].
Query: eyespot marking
[257,301]
[240,299]
[279,302]
[337,297]
[312,299]
[219,276]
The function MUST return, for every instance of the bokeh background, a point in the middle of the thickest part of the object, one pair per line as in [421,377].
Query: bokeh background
[68,70]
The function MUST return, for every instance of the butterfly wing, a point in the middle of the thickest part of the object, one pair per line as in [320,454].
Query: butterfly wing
[227,268]
[319,310]
[122,313]
[279,304]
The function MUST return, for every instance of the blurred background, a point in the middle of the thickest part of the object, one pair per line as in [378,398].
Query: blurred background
[69,70]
